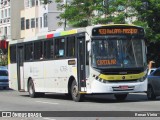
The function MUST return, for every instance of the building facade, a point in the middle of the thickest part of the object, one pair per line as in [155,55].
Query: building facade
[38,18]
[5,24]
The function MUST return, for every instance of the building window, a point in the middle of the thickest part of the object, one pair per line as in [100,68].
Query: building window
[45,20]
[9,12]
[9,30]
[33,3]
[5,31]
[27,24]
[36,22]
[23,23]
[36,2]
[32,23]
[40,22]
[2,14]
[1,30]
[5,13]
[26,3]
[5,2]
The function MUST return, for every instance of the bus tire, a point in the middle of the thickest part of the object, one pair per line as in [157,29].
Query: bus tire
[76,96]
[31,89]
[120,97]
[150,93]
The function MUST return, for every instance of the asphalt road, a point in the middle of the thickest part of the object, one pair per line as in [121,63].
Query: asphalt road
[11,100]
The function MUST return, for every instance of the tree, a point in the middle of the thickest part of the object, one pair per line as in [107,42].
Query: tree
[145,13]
[80,13]
[148,16]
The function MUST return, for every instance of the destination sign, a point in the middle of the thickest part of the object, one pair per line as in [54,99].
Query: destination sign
[106,62]
[117,30]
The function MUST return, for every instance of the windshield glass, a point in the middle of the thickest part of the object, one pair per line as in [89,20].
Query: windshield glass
[112,53]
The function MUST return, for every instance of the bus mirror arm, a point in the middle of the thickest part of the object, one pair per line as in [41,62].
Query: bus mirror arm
[90,54]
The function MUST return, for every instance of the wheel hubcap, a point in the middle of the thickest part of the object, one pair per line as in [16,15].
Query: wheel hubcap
[31,89]
[75,91]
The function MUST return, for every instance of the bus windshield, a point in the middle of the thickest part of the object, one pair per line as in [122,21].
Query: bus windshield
[117,53]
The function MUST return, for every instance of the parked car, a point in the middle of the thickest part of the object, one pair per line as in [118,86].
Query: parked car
[154,84]
[4,83]
[151,70]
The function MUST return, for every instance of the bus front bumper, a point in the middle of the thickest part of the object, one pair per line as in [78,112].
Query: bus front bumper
[118,87]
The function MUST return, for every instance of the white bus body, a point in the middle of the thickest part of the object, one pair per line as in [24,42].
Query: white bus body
[57,73]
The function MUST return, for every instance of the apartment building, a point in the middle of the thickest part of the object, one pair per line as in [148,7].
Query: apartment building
[5,18]
[16,7]
[37,18]
[5,29]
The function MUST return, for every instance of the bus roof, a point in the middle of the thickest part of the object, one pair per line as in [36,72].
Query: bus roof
[52,34]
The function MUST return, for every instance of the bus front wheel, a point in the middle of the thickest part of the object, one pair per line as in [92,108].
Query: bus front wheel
[76,96]
[31,89]
[120,97]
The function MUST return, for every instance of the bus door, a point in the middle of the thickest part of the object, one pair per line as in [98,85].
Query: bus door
[81,56]
[20,58]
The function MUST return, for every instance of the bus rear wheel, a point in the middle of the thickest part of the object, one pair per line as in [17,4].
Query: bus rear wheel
[120,97]
[76,96]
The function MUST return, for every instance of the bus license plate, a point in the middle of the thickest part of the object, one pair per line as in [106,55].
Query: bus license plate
[123,87]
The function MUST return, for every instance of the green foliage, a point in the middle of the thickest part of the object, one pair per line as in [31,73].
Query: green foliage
[81,13]
[148,12]
[3,60]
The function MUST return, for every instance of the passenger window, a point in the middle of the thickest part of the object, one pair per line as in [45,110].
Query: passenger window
[28,51]
[71,46]
[13,54]
[59,47]
[38,50]
[48,49]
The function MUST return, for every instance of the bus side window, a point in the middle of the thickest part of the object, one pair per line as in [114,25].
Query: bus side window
[71,46]
[59,47]
[38,50]
[13,54]
[29,52]
[48,49]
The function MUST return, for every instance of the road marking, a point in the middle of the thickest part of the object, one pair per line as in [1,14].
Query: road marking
[47,102]
[49,119]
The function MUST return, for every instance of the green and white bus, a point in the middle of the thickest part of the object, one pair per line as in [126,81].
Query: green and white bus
[97,59]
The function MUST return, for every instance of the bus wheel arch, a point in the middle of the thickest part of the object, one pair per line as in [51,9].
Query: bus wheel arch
[31,89]
[71,79]
[76,96]
[28,83]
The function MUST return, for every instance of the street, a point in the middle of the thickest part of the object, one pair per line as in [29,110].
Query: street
[11,100]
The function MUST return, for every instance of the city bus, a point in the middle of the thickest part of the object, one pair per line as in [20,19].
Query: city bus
[100,59]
